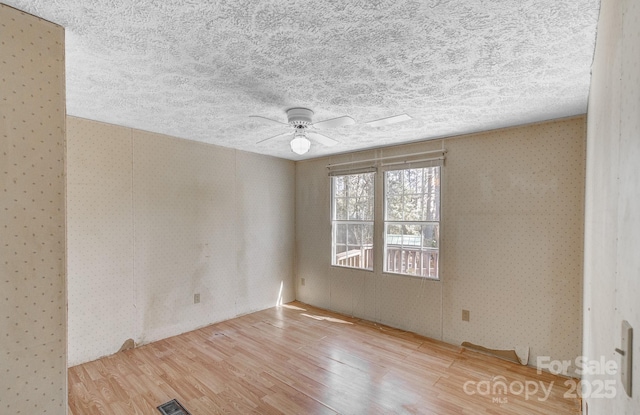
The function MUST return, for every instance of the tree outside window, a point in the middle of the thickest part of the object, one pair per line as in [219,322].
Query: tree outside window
[352,220]
[412,221]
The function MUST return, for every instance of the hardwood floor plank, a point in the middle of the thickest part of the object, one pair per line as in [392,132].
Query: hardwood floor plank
[298,359]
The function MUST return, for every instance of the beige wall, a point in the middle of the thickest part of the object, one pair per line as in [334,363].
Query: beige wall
[512,227]
[154,220]
[102,302]
[32,216]
[612,214]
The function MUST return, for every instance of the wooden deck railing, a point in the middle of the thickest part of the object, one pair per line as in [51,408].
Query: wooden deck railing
[422,262]
[356,258]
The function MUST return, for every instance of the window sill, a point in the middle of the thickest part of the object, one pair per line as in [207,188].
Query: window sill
[351,268]
[397,274]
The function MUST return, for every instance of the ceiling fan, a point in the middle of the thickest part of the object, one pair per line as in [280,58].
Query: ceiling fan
[301,121]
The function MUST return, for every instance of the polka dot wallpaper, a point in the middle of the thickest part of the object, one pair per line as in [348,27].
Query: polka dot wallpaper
[513,250]
[100,242]
[32,216]
[511,243]
[184,198]
[154,219]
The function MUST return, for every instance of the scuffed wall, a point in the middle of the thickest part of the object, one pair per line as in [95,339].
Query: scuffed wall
[157,219]
[33,375]
[511,247]
[612,208]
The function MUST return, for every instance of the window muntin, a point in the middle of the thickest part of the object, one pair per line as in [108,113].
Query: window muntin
[412,221]
[352,206]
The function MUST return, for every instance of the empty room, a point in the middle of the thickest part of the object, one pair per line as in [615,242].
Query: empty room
[370,207]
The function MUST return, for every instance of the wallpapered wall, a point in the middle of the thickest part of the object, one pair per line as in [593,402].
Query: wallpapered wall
[32,216]
[154,220]
[612,213]
[511,243]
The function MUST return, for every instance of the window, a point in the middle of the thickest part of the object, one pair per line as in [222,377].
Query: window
[352,220]
[412,221]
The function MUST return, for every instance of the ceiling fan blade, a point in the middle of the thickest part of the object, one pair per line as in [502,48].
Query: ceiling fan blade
[275,136]
[389,120]
[322,139]
[268,119]
[335,122]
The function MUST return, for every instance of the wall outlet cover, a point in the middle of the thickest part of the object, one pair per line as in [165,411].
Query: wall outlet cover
[465,315]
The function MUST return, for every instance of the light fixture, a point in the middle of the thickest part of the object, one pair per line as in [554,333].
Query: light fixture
[300,144]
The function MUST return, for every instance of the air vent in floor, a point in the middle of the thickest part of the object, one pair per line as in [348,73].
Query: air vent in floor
[172,408]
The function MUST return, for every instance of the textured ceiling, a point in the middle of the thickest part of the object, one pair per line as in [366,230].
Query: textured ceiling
[197,69]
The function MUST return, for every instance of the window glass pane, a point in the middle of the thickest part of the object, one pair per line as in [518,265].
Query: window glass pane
[340,208]
[339,186]
[412,212]
[411,181]
[431,235]
[358,252]
[412,249]
[339,253]
[394,229]
[352,181]
[357,208]
[430,211]
[369,209]
[394,208]
[394,182]
[367,234]
[353,211]
[341,234]
[354,233]
[349,209]
[412,207]
[412,235]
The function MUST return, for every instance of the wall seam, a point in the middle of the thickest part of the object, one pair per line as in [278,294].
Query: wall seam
[236,219]
[136,329]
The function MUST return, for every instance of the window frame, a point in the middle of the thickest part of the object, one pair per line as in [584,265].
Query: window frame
[385,222]
[335,222]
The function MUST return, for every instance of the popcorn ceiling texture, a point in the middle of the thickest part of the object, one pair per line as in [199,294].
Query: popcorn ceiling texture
[197,69]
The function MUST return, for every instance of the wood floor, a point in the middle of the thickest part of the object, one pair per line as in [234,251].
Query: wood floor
[297,359]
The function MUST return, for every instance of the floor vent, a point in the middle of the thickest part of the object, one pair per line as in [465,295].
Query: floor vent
[172,408]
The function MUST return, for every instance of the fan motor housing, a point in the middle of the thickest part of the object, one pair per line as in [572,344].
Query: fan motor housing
[299,116]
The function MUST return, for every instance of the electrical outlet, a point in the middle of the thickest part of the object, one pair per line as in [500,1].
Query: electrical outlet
[196,298]
[301,281]
[465,315]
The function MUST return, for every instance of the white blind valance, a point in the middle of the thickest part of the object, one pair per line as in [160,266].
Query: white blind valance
[417,162]
[354,170]
[423,159]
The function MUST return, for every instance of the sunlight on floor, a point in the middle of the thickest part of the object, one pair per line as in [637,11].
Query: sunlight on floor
[279,302]
[331,319]
[293,307]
